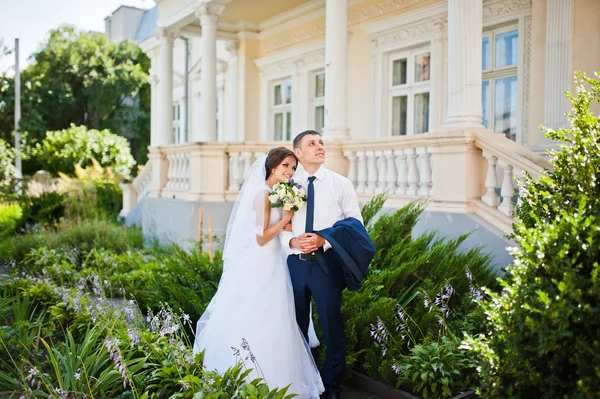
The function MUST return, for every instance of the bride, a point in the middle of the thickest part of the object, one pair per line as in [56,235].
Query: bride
[254,301]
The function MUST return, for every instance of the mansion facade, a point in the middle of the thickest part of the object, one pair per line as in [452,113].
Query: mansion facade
[440,100]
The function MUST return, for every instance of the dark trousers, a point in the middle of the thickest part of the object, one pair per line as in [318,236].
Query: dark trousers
[310,280]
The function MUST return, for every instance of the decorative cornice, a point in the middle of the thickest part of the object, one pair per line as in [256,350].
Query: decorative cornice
[378,9]
[291,65]
[427,30]
[295,37]
[494,8]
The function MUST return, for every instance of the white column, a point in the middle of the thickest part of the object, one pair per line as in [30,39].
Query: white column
[164,103]
[153,80]
[209,14]
[336,69]
[231,92]
[559,36]
[220,109]
[464,63]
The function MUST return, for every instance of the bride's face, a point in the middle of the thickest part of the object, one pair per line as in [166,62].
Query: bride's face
[286,169]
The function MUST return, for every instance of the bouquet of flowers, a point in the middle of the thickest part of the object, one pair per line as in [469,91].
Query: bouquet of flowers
[288,195]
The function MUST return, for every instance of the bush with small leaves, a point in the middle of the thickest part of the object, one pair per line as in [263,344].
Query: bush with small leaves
[544,328]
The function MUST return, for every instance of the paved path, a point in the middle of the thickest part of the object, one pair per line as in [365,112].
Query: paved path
[352,392]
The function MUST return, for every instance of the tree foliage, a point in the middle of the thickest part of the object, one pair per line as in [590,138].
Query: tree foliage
[81,78]
[61,150]
[544,328]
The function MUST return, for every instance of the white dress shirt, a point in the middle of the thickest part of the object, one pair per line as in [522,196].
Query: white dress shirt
[335,200]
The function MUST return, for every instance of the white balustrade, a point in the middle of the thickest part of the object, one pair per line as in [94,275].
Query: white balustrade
[361,180]
[402,168]
[426,183]
[491,182]
[352,166]
[381,171]
[371,172]
[178,177]
[235,167]
[507,190]
[413,172]
[391,175]
[396,171]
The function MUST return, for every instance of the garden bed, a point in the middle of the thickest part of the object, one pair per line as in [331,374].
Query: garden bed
[385,391]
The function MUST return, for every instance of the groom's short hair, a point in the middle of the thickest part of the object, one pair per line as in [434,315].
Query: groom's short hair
[299,137]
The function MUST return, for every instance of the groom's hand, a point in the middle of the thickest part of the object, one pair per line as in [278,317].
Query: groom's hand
[309,242]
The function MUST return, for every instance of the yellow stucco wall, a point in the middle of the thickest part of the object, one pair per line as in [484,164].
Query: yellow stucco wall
[360,74]
[249,80]
[586,39]
[586,36]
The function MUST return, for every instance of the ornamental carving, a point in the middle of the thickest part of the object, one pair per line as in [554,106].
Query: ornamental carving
[493,8]
[295,37]
[292,64]
[427,30]
[381,8]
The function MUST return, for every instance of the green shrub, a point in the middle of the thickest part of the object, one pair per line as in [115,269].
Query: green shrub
[184,280]
[61,150]
[81,238]
[7,163]
[10,217]
[544,328]
[45,210]
[404,272]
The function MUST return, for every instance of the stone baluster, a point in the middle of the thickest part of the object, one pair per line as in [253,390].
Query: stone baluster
[413,172]
[491,182]
[391,175]
[381,171]
[180,171]
[247,161]
[506,206]
[352,166]
[361,178]
[170,171]
[519,180]
[402,168]
[425,174]
[186,171]
[234,171]
[371,172]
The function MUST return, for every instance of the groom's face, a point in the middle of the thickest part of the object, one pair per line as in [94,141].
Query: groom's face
[310,150]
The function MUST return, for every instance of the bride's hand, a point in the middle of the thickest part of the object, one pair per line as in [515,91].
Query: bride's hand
[287,215]
[288,227]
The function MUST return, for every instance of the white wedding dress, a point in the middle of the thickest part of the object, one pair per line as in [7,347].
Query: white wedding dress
[255,302]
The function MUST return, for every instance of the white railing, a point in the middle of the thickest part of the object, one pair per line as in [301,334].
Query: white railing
[137,189]
[143,181]
[398,166]
[469,171]
[506,161]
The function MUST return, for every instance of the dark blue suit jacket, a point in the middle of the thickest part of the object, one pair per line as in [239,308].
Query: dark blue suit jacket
[351,252]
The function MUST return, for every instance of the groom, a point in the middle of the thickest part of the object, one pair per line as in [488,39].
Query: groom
[330,198]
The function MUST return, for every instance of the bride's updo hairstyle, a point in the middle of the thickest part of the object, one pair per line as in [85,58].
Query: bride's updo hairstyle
[276,157]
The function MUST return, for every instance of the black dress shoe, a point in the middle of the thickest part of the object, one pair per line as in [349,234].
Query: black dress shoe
[333,396]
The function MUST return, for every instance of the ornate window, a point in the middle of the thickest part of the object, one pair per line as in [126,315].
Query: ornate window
[177,131]
[409,88]
[500,88]
[317,95]
[281,109]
